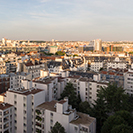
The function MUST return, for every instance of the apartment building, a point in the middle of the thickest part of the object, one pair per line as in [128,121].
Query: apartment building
[6,118]
[117,63]
[49,84]
[113,76]
[2,67]
[24,102]
[86,88]
[54,66]
[128,82]
[53,49]
[10,61]
[16,79]
[95,66]
[61,86]
[33,67]
[94,87]
[48,113]
[4,82]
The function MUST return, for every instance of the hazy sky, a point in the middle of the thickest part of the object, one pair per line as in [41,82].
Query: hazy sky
[66,19]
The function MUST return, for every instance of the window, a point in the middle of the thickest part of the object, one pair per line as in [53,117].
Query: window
[15,102]
[76,129]
[51,114]
[15,96]
[6,112]
[51,122]
[86,89]
[6,125]
[24,98]
[24,125]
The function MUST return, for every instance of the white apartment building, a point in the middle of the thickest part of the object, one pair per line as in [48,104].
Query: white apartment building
[117,63]
[61,86]
[95,66]
[94,87]
[48,113]
[24,101]
[128,82]
[16,79]
[52,86]
[86,88]
[6,118]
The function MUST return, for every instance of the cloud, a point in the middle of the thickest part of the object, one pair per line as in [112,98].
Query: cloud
[43,1]
[42,14]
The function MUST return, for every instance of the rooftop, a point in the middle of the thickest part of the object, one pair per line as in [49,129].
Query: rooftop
[4,106]
[83,119]
[44,80]
[48,105]
[23,91]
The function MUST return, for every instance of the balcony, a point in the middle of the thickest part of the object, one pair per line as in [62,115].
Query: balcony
[38,130]
[38,119]
[38,112]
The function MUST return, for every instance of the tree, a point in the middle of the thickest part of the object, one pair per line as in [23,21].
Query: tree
[122,129]
[99,111]
[75,55]
[114,97]
[58,128]
[101,69]
[120,122]
[60,53]
[109,100]
[69,91]
[84,107]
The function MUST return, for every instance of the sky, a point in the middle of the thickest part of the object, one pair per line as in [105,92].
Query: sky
[84,20]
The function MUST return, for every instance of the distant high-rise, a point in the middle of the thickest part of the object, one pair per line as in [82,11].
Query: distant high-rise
[4,41]
[98,44]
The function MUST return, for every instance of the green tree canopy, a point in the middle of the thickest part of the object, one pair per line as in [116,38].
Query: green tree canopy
[114,98]
[120,122]
[60,53]
[69,91]
[84,107]
[109,100]
[58,128]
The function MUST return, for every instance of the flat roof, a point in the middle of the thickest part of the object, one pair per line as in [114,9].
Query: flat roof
[4,106]
[44,80]
[25,91]
[48,105]
[83,119]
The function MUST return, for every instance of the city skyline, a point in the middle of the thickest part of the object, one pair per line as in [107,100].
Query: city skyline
[66,20]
